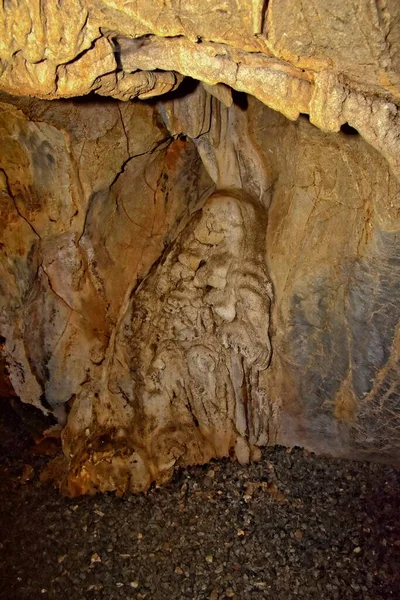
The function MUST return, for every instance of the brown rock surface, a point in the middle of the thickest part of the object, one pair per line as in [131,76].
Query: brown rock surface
[338,63]
[75,241]
[152,253]
[332,248]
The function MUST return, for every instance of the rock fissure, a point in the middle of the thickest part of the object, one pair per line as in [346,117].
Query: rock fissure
[16,205]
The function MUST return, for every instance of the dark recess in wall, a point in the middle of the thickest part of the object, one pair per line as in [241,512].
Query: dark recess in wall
[348,129]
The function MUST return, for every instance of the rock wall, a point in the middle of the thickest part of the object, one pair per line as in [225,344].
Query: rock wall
[332,253]
[198,275]
[338,63]
[91,194]
[166,323]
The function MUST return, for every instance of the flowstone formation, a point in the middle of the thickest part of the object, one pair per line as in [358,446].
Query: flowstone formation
[181,380]
[189,271]
[183,385]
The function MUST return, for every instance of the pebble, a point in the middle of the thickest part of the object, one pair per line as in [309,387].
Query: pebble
[95,558]
[28,473]
[298,534]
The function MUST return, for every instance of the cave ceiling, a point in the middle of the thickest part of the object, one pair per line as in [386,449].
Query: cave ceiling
[337,62]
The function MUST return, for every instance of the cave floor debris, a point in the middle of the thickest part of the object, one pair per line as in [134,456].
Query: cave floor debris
[292,526]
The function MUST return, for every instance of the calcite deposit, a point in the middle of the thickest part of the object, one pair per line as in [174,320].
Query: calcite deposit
[199,227]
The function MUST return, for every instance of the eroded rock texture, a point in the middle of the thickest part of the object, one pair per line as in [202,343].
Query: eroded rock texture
[332,248]
[68,256]
[338,63]
[183,385]
[198,275]
[181,381]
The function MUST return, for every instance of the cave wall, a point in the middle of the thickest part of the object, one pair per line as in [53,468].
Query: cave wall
[166,323]
[358,39]
[332,254]
[197,275]
[337,63]
[91,194]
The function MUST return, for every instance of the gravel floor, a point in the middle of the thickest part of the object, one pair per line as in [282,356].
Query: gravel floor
[292,526]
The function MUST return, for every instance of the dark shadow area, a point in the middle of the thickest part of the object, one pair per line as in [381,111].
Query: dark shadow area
[187,87]
[240,99]
[25,418]
[348,130]
[117,53]
[90,98]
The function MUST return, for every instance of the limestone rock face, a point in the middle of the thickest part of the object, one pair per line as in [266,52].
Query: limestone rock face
[333,257]
[75,239]
[338,63]
[183,383]
[62,49]
[199,223]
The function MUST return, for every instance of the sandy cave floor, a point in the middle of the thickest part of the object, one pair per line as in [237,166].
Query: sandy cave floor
[293,526]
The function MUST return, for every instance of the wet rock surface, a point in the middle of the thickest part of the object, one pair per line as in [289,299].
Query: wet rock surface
[290,526]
